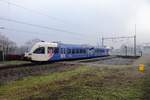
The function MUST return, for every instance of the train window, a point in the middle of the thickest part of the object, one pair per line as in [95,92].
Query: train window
[56,50]
[102,51]
[96,50]
[78,51]
[65,50]
[73,51]
[81,51]
[69,51]
[84,50]
[61,50]
[50,49]
[40,50]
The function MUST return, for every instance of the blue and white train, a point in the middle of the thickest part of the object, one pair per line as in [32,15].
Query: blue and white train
[49,51]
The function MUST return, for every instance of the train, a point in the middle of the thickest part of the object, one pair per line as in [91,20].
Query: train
[56,51]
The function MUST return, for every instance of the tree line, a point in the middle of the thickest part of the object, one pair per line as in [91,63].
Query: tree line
[8,46]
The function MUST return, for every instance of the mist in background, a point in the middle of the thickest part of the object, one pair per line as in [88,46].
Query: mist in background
[85,20]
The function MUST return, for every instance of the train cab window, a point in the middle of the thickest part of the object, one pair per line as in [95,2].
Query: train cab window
[40,50]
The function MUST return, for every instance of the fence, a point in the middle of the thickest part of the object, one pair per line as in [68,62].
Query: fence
[6,57]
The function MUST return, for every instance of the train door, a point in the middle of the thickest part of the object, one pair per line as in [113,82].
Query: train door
[39,54]
[63,56]
[90,52]
[50,52]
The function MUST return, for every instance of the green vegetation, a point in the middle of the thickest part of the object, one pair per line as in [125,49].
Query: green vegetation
[82,83]
[146,86]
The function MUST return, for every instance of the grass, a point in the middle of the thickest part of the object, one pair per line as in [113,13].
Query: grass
[82,83]
[27,85]
[146,85]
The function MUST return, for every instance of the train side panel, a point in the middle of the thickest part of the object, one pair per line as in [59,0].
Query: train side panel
[45,51]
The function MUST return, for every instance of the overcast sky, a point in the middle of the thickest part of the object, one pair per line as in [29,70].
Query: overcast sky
[88,20]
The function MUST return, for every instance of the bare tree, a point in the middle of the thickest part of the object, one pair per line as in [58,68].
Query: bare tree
[9,47]
[6,45]
[28,45]
[32,42]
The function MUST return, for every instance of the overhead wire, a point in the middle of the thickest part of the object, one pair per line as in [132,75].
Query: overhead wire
[36,25]
[34,11]
[34,32]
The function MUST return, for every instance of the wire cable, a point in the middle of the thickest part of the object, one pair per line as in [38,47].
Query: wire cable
[36,25]
[34,11]
[33,32]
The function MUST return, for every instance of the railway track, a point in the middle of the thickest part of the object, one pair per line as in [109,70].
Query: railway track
[9,66]
[14,72]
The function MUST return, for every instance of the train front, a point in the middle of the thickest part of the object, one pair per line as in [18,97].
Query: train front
[41,52]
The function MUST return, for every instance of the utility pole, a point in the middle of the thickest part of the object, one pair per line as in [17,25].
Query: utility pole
[126,50]
[3,54]
[134,45]
[127,37]
[102,42]
[1,27]
[2,46]
[135,42]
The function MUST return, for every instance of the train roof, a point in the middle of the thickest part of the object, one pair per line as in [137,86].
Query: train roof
[63,45]
[75,45]
[51,44]
[80,46]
